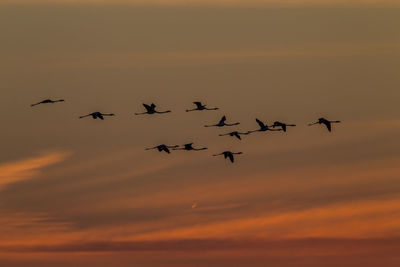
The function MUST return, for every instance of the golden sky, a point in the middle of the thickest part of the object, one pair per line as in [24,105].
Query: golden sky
[86,193]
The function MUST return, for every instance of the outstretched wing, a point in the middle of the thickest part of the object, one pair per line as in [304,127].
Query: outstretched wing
[198,104]
[328,125]
[147,107]
[230,155]
[260,123]
[100,116]
[236,134]
[223,119]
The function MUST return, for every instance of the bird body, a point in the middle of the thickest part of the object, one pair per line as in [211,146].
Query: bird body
[234,134]
[97,114]
[151,109]
[222,123]
[162,147]
[326,122]
[189,147]
[282,125]
[229,154]
[200,106]
[263,127]
[47,101]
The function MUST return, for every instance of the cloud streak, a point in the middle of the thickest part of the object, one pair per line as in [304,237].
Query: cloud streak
[26,169]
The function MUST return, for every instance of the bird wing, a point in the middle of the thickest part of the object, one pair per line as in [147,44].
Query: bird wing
[166,150]
[223,119]
[230,155]
[284,127]
[100,116]
[260,123]
[198,104]
[328,125]
[236,134]
[147,107]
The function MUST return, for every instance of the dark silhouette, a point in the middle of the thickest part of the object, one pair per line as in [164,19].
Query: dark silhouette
[97,114]
[189,147]
[222,123]
[327,123]
[152,110]
[200,106]
[47,101]
[282,125]
[229,154]
[263,127]
[162,148]
[235,134]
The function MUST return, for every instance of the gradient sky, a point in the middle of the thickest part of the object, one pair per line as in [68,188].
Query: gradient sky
[85,193]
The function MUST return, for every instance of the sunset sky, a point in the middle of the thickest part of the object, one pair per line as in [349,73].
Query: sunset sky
[85,192]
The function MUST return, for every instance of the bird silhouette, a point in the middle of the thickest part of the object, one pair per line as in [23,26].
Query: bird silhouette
[234,134]
[282,125]
[189,147]
[327,123]
[97,114]
[229,154]
[47,101]
[222,123]
[162,148]
[151,109]
[263,127]
[200,106]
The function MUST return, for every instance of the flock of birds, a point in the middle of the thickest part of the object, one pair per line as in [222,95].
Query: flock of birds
[151,109]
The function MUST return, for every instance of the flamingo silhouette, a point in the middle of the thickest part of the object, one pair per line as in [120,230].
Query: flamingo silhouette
[200,106]
[229,154]
[47,101]
[282,125]
[327,123]
[222,123]
[97,114]
[189,147]
[263,127]
[151,109]
[162,148]
[234,134]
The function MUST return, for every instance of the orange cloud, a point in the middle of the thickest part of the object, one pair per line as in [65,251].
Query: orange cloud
[26,169]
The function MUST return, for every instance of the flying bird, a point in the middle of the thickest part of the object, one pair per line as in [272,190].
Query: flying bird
[151,109]
[282,125]
[200,106]
[327,123]
[47,101]
[229,154]
[97,114]
[162,148]
[189,147]
[263,127]
[222,123]
[234,134]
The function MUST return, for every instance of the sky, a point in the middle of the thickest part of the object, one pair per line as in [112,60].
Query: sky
[85,192]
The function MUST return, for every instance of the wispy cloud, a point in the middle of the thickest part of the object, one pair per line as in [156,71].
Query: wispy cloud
[25,169]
